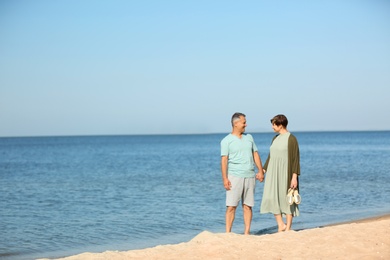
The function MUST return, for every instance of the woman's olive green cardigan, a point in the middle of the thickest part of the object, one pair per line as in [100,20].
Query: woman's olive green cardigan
[293,159]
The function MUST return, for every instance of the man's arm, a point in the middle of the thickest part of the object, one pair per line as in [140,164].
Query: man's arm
[224,167]
[260,173]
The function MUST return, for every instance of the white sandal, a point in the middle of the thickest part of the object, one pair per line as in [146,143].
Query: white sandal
[297,197]
[290,198]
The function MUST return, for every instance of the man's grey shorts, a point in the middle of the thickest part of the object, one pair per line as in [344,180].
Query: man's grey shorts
[242,189]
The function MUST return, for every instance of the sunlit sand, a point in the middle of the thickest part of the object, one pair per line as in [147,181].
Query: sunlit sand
[365,239]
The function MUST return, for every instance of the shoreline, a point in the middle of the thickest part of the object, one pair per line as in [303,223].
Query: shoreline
[367,238]
[361,220]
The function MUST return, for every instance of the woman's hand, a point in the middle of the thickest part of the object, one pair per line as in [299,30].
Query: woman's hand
[294,181]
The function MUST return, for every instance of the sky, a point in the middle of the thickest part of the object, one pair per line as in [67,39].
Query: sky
[184,67]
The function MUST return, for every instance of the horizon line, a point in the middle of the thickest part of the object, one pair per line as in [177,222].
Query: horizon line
[170,134]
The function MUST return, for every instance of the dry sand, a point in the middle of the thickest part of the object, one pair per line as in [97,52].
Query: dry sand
[367,239]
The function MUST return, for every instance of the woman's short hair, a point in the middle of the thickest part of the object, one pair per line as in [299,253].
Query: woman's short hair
[236,116]
[280,120]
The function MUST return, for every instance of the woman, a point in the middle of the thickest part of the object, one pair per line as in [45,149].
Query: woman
[282,170]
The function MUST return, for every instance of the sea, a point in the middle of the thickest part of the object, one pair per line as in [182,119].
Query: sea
[67,195]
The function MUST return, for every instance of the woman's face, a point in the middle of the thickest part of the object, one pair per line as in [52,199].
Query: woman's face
[277,128]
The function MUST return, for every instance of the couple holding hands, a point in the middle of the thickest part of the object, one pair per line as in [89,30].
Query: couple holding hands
[239,154]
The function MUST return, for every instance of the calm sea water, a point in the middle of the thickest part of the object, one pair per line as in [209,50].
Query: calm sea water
[66,195]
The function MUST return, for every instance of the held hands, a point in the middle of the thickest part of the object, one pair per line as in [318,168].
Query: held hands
[260,176]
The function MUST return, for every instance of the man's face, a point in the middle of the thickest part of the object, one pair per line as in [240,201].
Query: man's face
[240,124]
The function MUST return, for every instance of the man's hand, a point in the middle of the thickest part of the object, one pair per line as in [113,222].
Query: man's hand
[227,184]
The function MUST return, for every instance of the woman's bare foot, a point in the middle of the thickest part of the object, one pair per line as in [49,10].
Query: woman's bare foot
[282,229]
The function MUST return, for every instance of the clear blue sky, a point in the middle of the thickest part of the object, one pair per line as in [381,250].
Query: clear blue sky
[166,67]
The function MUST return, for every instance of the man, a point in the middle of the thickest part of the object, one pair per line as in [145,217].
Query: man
[238,156]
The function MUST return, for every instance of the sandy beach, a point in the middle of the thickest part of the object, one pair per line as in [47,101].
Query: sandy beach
[363,239]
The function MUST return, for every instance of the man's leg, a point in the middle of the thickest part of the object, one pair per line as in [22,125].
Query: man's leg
[248,200]
[247,218]
[230,214]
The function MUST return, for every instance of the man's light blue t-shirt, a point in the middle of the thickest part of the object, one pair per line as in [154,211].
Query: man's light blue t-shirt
[240,154]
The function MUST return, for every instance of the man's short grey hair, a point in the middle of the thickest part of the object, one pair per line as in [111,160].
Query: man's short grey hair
[236,116]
